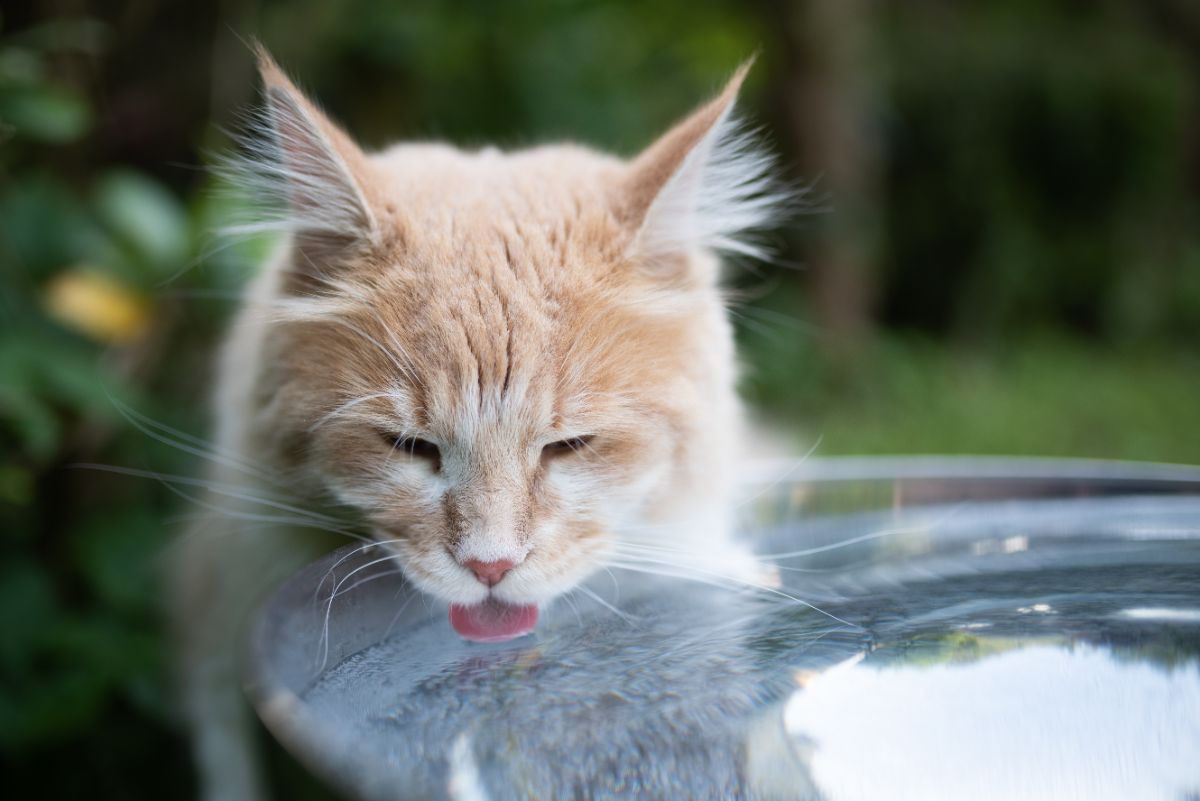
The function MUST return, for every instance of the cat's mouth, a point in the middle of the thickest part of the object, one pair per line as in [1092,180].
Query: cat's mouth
[493,620]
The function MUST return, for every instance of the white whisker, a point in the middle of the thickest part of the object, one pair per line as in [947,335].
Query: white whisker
[324,642]
[713,577]
[211,486]
[341,409]
[187,443]
[595,597]
[873,535]
[786,475]
[350,554]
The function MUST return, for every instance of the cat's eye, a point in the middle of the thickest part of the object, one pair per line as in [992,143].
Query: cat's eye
[565,447]
[413,446]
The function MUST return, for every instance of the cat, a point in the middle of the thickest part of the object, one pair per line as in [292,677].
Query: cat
[511,368]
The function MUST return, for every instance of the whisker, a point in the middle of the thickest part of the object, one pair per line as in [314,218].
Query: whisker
[252,517]
[401,352]
[732,580]
[173,437]
[571,602]
[388,631]
[874,535]
[398,571]
[261,521]
[350,554]
[616,584]
[404,369]
[596,597]
[324,643]
[345,407]
[786,475]
[212,486]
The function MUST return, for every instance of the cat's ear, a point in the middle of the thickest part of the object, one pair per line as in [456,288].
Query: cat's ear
[309,167]
[703,185]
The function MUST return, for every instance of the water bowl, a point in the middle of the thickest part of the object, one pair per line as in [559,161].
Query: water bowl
[940,629]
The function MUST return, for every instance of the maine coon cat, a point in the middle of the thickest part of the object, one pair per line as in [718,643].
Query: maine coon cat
[513,368]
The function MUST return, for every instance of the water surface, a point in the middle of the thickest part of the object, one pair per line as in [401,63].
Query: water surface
[1038,647]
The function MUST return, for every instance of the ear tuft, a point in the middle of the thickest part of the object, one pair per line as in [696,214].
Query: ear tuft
[304,166]
[707,183]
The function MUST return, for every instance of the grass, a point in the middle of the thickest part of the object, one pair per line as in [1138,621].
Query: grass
[1039,397]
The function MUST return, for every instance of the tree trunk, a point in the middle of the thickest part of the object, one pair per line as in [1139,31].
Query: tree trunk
[826,95]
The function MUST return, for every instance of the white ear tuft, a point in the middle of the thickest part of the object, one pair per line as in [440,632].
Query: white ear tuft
[304,168]
[722,196]
[707,183]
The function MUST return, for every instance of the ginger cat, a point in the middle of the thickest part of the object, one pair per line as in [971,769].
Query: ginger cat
[513,368]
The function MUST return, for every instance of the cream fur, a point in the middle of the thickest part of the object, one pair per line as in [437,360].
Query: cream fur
[490,304]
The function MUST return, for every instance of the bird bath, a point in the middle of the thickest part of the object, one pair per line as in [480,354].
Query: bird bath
[943,628]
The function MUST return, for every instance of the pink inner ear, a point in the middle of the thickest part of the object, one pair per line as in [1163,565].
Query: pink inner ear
[304,160]
[319,180]
[316,167]
[654,169]
[704,184]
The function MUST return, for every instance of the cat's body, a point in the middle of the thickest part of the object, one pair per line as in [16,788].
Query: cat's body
[512,368]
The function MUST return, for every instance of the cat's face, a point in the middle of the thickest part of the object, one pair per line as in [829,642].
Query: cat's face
[506,362]
[507,398]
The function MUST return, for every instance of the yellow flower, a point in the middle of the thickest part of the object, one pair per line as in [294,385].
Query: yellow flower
[97,306]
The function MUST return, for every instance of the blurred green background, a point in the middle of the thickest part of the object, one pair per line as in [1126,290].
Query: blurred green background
[1003,257]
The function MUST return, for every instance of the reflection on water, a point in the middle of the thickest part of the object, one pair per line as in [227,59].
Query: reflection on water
[1045,649]
[1030,721]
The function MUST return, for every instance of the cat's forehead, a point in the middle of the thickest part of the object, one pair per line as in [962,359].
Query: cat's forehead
[500,344]
[445,195]
[487,332]
[497,258]
[504,288]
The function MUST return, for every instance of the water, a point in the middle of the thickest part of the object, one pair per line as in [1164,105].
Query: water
[1023,642]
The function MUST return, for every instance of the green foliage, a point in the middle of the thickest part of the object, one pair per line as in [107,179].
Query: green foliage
[1048,177]
[1042,395]
[83,651]
[32,105]
[148,225]
[610,73]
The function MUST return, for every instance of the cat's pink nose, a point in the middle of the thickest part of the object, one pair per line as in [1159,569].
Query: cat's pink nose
[489,573]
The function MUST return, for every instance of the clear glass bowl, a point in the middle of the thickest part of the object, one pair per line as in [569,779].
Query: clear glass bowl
[941,628]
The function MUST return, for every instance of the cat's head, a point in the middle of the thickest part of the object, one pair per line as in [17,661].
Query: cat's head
[506,361]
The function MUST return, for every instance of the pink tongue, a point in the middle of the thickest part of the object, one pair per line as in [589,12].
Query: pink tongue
[493,621]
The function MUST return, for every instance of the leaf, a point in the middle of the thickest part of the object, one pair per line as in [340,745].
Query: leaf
[44,373]
[59,703]
[27,606]
[19,65]
[16,486]
[144,215]
[116,552]
[66,33]
[34,424]
[96,305]
[44,228]
[46,113]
